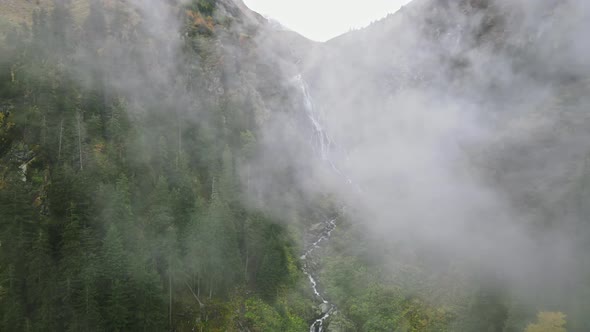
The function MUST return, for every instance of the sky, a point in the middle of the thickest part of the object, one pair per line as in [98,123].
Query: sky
[321,20]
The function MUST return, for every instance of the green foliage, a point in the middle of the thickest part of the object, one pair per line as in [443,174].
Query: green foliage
[206,6]
[125,219]
[487,311]
[369,301]
[261,316]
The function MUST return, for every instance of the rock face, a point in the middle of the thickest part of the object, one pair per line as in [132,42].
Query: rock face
[338,323]
[324,308]
[316,229]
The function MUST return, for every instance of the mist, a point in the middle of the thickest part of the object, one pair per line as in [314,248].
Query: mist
[234,175]
[442,118]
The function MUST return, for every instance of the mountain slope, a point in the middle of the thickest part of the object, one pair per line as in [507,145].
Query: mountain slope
[122,145]
[16,12]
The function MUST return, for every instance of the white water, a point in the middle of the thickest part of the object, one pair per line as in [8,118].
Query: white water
[318,324]
[323,146]
[321,141]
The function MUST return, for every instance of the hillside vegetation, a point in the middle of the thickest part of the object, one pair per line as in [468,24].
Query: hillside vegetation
[16,12]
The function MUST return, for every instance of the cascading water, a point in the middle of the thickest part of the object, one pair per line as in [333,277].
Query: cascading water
[323,146]
[318,324]
[321,141]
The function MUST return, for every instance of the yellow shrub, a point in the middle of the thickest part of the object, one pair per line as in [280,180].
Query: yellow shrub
[548,322]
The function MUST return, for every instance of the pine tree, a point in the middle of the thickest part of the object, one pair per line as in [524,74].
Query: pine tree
[487,312]
[227,184]
[149,304]
[62,28]
[18,232]
[40,33]
[88,305]
[95,26]
[220,241]
[41,283]
[71,266]
[12,300]
[115,276]
[195,258]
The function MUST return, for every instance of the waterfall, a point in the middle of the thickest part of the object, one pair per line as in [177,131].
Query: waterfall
[323,146]
[321,141]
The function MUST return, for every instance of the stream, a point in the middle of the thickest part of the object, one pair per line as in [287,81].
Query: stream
[326,307]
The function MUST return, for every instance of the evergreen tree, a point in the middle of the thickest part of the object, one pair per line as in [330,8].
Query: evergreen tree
[13,306]
[115,277]
[487,311]
[149,306]
[17,234]
[95,26]
[62,29]
[227,183]
[222,260]
[88,306]
[41,283]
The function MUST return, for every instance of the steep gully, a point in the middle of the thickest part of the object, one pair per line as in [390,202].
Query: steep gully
[323,146]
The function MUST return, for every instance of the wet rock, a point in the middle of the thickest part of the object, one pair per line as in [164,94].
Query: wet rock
[339,323]
[317,228]
[324,308]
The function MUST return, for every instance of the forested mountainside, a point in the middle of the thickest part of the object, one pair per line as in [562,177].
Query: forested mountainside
[185,166]
[121,208]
